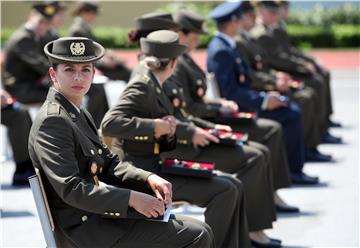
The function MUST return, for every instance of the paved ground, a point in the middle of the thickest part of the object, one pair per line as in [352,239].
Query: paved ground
[330,213]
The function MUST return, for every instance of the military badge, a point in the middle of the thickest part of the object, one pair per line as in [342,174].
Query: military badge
[242,78]
[49,10]
[200,92]
[94,172]
[77,48]
[176,102]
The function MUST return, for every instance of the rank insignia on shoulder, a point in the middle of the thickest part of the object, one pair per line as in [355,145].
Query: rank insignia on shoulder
[53,108]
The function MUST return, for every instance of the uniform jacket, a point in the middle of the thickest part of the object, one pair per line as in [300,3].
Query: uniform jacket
[259,71]
[274,54]
[24,64]
[62,145]
[282,36]
[232,76]
[176,95]
[191,78]
[79,28]
[131,120]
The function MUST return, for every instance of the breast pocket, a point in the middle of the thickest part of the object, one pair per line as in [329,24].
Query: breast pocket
[91,162]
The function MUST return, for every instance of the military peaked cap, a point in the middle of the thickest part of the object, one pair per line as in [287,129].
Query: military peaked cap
[190,21]
[73,50]
[162,44]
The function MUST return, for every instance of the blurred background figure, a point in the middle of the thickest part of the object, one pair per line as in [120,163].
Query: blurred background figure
[18,123]
[85,15]
[25,68]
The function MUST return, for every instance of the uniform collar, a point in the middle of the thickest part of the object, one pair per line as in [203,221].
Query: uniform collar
[227,38]
[55,95]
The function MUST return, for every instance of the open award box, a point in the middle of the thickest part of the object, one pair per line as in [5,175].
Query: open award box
[235,118]
[229,138]
[187,168]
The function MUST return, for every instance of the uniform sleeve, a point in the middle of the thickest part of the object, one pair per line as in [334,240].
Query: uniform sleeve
[124,121]
[55,147]
[26,51]
[262,81]
[280,60]
[223,67]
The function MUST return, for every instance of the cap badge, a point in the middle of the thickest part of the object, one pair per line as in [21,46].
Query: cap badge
[77,48]
[49,10]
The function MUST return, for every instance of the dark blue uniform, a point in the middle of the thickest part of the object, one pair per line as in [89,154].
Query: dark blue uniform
[231,73]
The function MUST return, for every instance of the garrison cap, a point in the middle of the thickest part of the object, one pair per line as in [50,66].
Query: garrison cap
[162,44]
[247,6]
[156,21]
[226,12]
[190,21]
[58,5]
[73,50]
[272,5]
[86,6]
[45,9]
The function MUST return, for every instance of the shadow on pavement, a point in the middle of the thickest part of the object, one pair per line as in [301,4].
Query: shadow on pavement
[11,187]
[319,185]
[14,214]
[296,215]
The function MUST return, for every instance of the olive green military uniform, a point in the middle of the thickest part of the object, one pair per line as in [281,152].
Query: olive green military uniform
[281,34]
[250,162]
[264,79]
[25,68]
[277,58]
[192,81]
[131,122]
[63,144]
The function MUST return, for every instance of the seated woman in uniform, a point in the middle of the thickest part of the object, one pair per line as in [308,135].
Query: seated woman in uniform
[143,126]
[250,163]
[90,191]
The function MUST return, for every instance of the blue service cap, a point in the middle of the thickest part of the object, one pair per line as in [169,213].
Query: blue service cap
[226,11]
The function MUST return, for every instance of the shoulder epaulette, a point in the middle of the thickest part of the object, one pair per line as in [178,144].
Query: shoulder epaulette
[53,109]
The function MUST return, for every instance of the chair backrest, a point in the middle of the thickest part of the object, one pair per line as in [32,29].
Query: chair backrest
[213,90]
[42,206]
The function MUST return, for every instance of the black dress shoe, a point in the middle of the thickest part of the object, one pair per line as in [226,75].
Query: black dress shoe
[287,209]
[271,244]
[313,155]
[334,124]
[303,179]
[276,240]
[327,138]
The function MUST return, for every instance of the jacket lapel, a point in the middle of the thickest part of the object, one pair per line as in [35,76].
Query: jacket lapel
[85,124]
